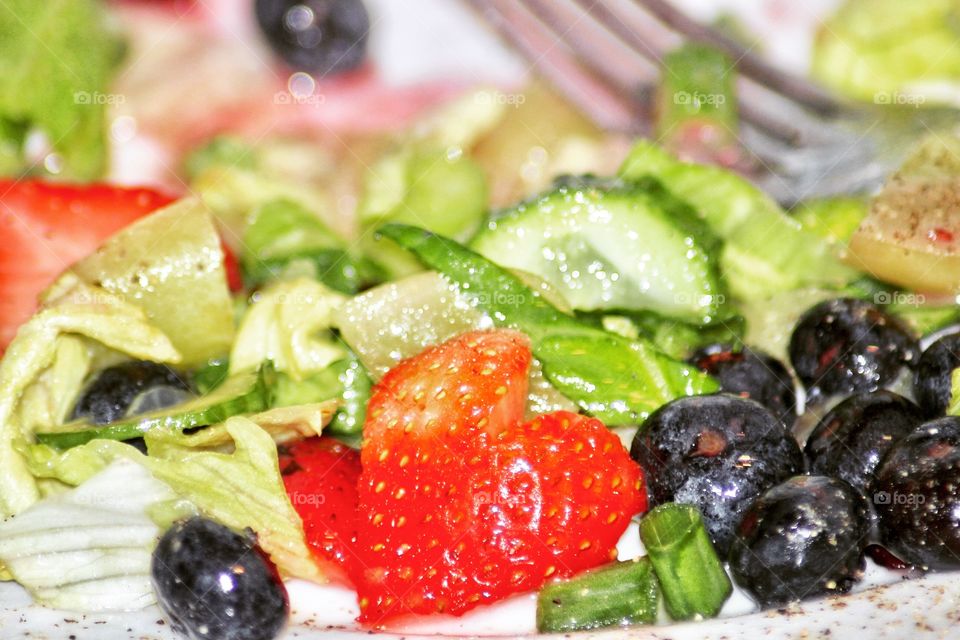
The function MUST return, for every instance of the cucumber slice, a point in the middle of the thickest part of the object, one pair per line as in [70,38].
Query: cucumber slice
[239,394]
[612,246]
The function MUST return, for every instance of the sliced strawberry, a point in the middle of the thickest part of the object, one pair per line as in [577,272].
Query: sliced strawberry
[460,504]
[44,228]
[320,475]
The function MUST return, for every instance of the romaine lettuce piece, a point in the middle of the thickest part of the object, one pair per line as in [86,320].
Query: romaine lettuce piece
[282,238]
[890,51]
[765,250]
[73,309]
[56,60]
[289,324]
[170,263]
[89,549]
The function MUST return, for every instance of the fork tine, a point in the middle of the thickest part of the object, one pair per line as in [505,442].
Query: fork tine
[605,105]
[645,35]
[790,86]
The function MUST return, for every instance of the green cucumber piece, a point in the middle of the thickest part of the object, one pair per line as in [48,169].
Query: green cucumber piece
[691,577]
[621,594]
[655,378]
[612,245]
[239,394]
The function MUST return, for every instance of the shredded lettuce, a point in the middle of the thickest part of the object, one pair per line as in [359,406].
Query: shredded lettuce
[170,263]
[56,59]
[289,324]
[89,549]
[74,309]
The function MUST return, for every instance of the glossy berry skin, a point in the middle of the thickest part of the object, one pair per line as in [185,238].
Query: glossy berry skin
[213,583]
[931,381]
[750,374]
[916,496]
[320,476]
[110,395]
[718,452]
[847,345]
[323,37]
[851,439]
[461,503]
[801,539]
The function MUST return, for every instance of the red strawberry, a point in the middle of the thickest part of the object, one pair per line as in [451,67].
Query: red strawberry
[44,228]
[320,475]
[460,504]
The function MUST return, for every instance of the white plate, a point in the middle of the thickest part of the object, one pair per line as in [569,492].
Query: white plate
[427,40]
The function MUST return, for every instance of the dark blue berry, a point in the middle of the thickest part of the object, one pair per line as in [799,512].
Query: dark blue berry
[750,374]
[322,37]
[917,495]
[718,452]
[931,381]
[128,388]
[214,584]
[847,345]
[851,439]
[802,538]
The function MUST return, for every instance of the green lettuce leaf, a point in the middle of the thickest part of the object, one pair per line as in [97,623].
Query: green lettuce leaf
[73,309]
[89,549]
[289,324]
[239,488]
[170,263]
[891,52]
[56,59]
[765,250]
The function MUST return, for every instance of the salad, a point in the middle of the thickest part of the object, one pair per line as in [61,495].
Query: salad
[613,374]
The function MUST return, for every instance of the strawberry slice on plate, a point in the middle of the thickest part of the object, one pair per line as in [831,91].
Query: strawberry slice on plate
[46,227]
[461,504]
[320,476]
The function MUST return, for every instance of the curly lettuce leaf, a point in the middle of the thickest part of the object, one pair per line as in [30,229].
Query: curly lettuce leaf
[89,549]
[289,324]
[765,250]
[170,263]
[74,309]
[56,59]
[239,488]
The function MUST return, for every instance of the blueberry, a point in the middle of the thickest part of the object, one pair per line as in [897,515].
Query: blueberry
[717,452]
[213,583]
[750,374]
[846,345]
[115,390]
[800,539]
[916,495]
[931,381]
[851,439]
[322,37]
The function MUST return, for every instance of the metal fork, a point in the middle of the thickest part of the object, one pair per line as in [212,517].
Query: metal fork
[605,55]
